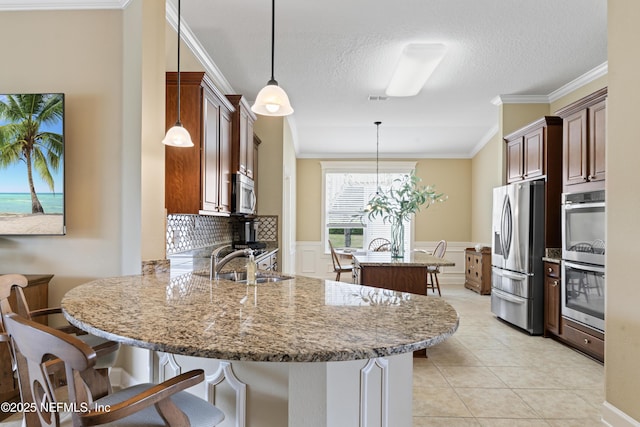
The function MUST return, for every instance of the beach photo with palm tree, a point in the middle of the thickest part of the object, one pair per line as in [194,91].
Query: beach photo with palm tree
[31,164]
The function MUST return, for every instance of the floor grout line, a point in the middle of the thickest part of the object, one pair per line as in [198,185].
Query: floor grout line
[463,348]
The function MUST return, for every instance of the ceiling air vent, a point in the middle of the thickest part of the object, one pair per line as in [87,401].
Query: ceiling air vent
[377,98]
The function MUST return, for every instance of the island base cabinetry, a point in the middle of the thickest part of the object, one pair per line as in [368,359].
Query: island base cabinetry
[368,392]
[402,278]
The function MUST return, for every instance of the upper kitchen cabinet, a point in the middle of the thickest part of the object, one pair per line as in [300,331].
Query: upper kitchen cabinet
[534,150]
[198,179]
[242,137]
[584,143]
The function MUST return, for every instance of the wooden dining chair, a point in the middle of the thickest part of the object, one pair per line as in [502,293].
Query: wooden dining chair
[337,267]
[432,271]
[106,350]
[164,404]
[380,244]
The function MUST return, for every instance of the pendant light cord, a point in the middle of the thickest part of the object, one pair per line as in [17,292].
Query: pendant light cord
[273,40]
[178,120]
[377,155]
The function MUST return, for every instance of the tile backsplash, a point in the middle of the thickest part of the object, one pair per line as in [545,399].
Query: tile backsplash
[187,232]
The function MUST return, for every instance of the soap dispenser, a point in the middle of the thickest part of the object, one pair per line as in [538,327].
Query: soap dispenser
[251,270]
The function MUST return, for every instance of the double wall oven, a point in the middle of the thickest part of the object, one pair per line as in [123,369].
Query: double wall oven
[583,255]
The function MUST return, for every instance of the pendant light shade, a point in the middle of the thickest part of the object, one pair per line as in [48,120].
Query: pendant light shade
[178,136]
[272,100]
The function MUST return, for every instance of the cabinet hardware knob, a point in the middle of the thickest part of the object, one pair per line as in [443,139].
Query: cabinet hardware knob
[586,340]
[550,270]
[555,283]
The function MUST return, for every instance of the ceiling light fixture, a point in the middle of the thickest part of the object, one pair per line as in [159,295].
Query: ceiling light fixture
[178,136]
[272,100]
[416,64]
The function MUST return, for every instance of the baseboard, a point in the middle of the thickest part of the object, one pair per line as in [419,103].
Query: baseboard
[614,417]
[121,379]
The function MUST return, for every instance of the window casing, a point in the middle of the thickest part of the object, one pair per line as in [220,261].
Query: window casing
[347,188]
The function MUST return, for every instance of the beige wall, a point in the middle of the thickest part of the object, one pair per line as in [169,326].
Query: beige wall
[622,345]
[450,220]
[270,160]
[110,66]
[486,173]
[83,58]
[578,93]
[514,116]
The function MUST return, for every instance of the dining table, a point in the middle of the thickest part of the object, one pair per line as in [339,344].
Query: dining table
[289,351]
[407,273]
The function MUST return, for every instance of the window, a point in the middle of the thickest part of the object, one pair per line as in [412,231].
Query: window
[348,187]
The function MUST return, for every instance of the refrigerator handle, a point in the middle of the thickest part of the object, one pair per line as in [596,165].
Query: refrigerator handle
[506,227]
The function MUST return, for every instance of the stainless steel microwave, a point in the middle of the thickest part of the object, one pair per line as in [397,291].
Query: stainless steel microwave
[243,195]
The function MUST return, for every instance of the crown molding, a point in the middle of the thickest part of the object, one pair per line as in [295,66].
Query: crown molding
[485,139]
[520,99]
[196,48]
[586,78]
[16,5]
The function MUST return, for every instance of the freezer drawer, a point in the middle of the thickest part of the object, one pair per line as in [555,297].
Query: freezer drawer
[512,308]
[511,282]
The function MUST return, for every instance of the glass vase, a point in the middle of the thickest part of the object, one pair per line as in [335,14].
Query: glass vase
[397,239]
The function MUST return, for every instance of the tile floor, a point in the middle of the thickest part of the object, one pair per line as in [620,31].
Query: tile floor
[490,374]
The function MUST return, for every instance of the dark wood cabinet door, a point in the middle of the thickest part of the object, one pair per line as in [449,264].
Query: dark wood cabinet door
[242,136]
[533,164]
[183,165]
[248,141]
[224,157]
[597,141]
[575,148]
[515,156]
[211,183]
[552,296]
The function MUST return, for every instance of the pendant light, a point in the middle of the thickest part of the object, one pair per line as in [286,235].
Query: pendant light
[377,155]
[272,100]
[178,136]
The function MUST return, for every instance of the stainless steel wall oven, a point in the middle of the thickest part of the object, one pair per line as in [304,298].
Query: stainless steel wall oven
[583,256]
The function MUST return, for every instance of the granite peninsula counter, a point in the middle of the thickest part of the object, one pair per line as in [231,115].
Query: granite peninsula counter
[356,336]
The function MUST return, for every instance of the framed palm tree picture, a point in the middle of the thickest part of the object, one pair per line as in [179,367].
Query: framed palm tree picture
[32,164]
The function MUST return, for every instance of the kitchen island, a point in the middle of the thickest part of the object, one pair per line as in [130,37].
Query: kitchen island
[295,352]
[407,274]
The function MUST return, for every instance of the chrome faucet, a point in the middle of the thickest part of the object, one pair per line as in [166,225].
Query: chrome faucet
[216,263]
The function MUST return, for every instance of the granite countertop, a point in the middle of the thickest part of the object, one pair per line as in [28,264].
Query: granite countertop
[298,320]
[416,258]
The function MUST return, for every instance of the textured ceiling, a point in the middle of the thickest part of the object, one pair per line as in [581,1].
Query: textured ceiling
[332,54]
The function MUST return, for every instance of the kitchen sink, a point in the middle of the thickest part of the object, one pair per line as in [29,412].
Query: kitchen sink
[261,277]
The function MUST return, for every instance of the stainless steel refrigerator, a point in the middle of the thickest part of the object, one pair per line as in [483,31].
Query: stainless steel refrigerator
[517,287]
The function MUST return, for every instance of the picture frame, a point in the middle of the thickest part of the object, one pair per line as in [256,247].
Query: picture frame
[32,164]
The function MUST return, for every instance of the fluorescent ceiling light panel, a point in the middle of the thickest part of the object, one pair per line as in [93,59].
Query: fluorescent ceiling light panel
[417,63]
